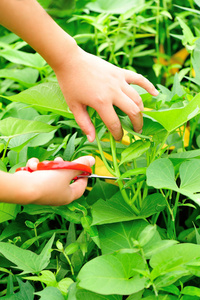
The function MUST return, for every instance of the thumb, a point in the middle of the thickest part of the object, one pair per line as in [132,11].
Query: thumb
[86,160]
[78,187]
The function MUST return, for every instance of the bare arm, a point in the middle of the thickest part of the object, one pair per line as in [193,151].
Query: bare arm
[85,80]
[43,187]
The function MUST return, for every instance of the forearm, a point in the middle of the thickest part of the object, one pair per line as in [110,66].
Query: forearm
[14,189]
[29,20]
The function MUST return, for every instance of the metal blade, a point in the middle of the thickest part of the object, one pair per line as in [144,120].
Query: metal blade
[101,177]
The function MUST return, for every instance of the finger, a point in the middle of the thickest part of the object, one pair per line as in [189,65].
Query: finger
[132,77]
[77,188]
[132,110]
[32,163]
[83,120]
[111,120]
[58,159]
[133,95]
[86,160]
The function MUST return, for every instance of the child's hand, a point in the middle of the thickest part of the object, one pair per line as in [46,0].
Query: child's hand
[87,80]
[52,187]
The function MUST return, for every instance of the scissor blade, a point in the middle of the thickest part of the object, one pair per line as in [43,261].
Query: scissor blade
[101,177]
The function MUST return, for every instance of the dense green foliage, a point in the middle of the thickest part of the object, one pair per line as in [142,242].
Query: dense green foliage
[133,240]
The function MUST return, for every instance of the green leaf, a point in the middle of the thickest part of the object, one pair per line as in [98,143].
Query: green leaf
[191,291]
[23,58]
[152,204]
[50,293]
[165,261]
[190,176]
[25,260]
[26,75]
[134,151]
[87,295]
[26,292]
[12,127]
[188,35]
[160,174]
[173,118]
[120,235]
[45,96]
[8,211]
[113,274]
[113,7]
[112,210]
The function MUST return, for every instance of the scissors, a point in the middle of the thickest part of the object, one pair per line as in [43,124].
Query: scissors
[68,165]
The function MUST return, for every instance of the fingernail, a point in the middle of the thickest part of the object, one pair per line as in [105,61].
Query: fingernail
[91,160]
[90,138]
[140,131]
[156,92]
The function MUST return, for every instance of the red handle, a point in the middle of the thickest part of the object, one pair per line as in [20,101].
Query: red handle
[60,165]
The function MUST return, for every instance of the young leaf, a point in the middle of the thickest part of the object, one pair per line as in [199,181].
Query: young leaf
[113,274]
[173,118]
[134,151]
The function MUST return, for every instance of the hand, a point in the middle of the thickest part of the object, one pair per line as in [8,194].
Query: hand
[52,187]
[87,80]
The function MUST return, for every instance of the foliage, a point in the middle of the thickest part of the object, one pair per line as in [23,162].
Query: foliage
[135,239]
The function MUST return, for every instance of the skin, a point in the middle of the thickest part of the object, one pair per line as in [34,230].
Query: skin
[85,80]
[43,187]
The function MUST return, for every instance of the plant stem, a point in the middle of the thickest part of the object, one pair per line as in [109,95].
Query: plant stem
[5,150]
[117,171]
[103,156]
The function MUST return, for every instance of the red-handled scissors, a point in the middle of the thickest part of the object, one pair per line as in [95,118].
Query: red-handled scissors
[70,165]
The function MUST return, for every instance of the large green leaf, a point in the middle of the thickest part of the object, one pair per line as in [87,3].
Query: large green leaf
[173,259]
[26,75]
[120,235]
[23,58]
[12,127]
[116,209]
[8,211]
[112,210]
[172,118]
[45,96]
[113,7]
[113,274]
[160,174]
[25,260]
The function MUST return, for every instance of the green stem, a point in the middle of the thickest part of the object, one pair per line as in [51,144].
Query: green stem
[5,150]
[157,153]
[69,262]
[117,171]
[103,156]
